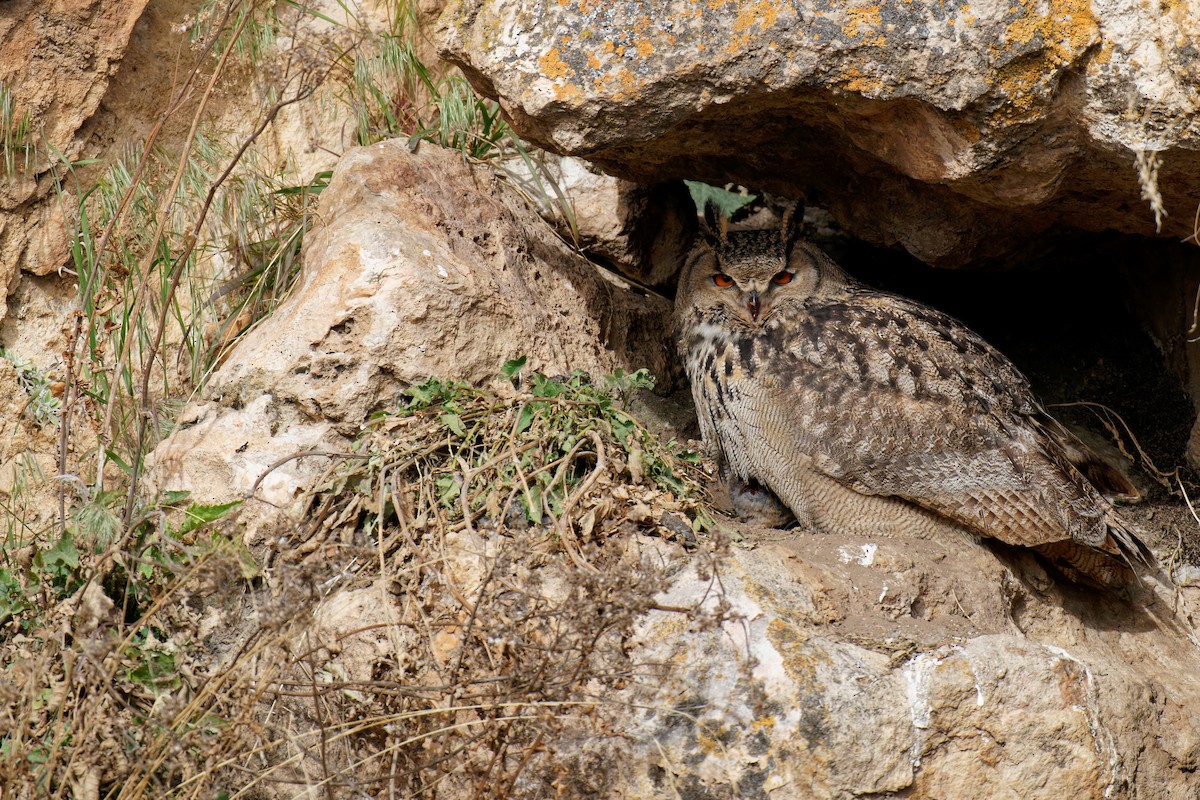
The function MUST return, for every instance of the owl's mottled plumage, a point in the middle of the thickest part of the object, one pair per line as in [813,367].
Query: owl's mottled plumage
[866,412]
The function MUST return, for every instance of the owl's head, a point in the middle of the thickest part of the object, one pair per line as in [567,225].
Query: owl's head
[743,278]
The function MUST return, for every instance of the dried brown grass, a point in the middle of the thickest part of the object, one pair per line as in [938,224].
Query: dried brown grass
[400,641]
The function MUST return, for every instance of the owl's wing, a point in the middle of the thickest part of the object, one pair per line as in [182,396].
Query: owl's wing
[893,398]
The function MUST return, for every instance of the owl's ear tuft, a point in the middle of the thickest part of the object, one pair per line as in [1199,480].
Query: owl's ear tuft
[715,226]
[793,221]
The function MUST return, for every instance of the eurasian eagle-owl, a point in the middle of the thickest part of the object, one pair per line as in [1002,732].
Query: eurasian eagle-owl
[871,414]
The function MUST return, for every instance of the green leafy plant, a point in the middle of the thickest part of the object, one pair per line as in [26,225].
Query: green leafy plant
[544,452]
[44,402]
[99,646]
[731,201]
[134,570]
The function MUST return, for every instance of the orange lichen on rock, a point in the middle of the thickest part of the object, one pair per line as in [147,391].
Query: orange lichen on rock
[864,21]
[1067,29]
[854,79]
[628,83]
[752,18]
[1063,34]
[966,129]
[801,661]
[1104,54]
[763,14]
[552,66]
[567,92]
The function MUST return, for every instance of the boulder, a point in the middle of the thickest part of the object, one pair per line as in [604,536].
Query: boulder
[955,131]
[851,667]
[421,265]
[424,265]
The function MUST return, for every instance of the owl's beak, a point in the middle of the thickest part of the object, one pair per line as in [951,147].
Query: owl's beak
[754,304]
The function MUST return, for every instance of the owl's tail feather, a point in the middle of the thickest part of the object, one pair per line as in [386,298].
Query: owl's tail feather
[1130,548]
[1110,567]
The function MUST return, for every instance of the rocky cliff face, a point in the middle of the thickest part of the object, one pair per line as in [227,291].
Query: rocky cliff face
[962,133]
[781,665]
[953,130]
[830,667]
[892,668]
[58,61]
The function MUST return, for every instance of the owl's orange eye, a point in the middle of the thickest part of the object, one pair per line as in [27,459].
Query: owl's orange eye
[781,278]
[722,280]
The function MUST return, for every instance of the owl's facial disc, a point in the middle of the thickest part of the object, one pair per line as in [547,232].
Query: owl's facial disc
[753,298]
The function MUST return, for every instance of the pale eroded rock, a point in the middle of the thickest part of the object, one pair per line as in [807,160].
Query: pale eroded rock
[422,266]
[978,684]
[842,668]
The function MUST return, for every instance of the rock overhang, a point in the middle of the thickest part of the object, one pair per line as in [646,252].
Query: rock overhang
[991,121]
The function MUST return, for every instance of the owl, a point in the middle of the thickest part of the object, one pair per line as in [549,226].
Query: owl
[867,413]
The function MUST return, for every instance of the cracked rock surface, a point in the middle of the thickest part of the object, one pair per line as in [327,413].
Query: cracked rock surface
[955,130]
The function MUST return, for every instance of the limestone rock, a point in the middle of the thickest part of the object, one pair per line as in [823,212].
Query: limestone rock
[49,245]
[648,232]
[821,685]
[815,666]
[643,231]
[954,131]
[221,454]
[422,266]
[57,60]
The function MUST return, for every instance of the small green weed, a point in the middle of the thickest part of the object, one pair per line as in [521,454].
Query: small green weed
[248,27]
[395,94]
[544,453]
[102,659]
[730,201]
[44,402]
[134,571]
[16,134]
